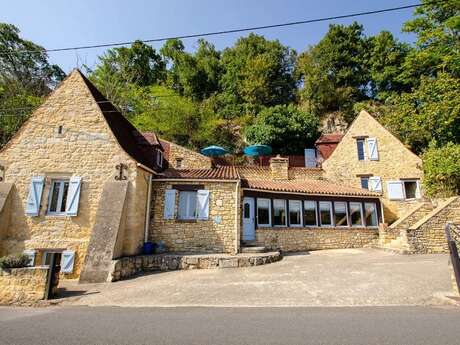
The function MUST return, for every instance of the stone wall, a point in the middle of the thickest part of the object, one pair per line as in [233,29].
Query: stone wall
[133,265]
[190,159]
[218,234]
[22,286]
[395,162]
[303,239]
[86,148]
[428,235]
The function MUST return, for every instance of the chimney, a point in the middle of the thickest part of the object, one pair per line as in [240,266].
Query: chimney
[279,167]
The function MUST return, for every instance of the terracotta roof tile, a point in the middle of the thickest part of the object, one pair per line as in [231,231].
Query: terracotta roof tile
[219,173]
[308,187]
[330,138]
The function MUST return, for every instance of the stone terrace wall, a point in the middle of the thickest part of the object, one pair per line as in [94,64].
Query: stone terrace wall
[428,236]
[218,234]
[302,239]
[22,286]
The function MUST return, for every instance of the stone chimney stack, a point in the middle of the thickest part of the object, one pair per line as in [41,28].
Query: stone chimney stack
[279,167]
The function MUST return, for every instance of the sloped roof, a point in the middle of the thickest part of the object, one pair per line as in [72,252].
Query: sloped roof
[219,173]
[333,138]
[321,187]
[129,138]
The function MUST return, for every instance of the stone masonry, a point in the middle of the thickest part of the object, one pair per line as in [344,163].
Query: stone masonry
[84,146]
[218,234]
[395,162]
[190,159]
[22,286]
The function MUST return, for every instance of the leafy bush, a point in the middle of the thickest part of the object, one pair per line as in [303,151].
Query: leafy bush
[441,167]
[14,261]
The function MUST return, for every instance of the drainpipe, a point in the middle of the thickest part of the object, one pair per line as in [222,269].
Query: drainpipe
[147,211]
[237,216]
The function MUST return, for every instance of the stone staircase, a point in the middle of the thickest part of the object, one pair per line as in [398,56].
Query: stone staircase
[422,229]
[251,247]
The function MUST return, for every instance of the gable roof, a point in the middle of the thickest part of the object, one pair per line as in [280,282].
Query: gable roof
[332,138]
[129,138]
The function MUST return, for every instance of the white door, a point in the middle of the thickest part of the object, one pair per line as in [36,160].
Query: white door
[249,225]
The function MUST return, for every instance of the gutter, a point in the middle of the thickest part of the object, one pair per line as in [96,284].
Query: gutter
[313,194]
[193,180]
[147,211]
[142,166]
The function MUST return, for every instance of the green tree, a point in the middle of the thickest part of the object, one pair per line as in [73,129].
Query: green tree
[334,73]
[441,172]
[257,73]
[285,128]
[437,26]
[430,112]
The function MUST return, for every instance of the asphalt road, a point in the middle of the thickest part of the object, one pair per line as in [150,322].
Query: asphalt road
[114,325]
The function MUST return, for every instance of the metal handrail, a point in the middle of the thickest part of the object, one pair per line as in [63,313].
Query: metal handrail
[453,241]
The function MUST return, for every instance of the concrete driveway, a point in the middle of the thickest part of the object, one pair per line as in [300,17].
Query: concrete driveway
[322,278]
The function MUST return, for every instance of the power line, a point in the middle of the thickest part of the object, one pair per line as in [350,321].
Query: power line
[224,32]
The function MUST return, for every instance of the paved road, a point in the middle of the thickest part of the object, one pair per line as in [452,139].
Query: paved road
[348,277]
[201,326]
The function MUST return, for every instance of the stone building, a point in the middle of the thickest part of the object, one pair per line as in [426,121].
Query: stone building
[369,156]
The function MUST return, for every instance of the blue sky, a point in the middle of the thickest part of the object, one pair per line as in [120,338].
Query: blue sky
[60,23]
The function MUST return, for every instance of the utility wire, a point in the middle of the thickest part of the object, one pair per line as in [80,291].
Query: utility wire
[224,32]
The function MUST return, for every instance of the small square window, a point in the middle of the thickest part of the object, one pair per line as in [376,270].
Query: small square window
[179,163]
[360,149]
[365,182]
[58,197]
[410,189]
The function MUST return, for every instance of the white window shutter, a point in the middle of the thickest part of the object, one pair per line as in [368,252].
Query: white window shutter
[418,194]
[395,190]
[373,150]
[73,196]
[170,204]
[67,261]
[310,158]
[31,254]
[375,184]
[35,196]
[202,204]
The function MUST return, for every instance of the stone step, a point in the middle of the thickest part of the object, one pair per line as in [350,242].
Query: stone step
[252,249]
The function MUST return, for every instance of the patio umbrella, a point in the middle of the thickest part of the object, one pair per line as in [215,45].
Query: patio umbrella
[257,150]
[214,151]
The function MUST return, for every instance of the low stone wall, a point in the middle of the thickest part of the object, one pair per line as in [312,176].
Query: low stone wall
[301,239]
[22,286]
[133,265]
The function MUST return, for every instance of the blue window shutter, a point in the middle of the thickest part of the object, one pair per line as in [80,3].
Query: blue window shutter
[67,261]
[202,204]
[35,196]
[170,204]
[73,196]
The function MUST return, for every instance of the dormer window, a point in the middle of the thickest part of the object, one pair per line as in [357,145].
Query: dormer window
[159,158]
[179,163]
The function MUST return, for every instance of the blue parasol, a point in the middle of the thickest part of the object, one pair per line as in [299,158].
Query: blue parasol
[214,151]
[257,150]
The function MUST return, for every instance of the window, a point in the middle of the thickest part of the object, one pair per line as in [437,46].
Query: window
[356,214]
[46,258]
[370,214]
[264,212]
[325,211]
[365,182]
[309,213]
[295,213]
[187,205]
[340,213]
[279,209]
[58,196]
[159,158]
[179,163]
[360,148]
[411,189]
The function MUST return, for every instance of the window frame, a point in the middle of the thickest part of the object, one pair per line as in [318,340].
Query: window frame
[159,158]
[299,225]
[363,141]
[189,193]
[269,224]
[417,189]
[346,215]
[60,197]
[364,178]
[361,213]
[316,214]
[375,212]
[179,162]
[285,225]
[331,213]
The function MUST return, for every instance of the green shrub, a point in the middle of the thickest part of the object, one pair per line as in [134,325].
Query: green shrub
[14,261]
[441,168]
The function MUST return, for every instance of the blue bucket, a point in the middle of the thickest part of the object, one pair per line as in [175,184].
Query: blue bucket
[147,248]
